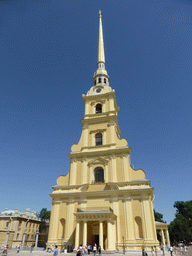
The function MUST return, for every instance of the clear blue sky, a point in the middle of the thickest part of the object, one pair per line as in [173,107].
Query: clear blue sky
[48,56]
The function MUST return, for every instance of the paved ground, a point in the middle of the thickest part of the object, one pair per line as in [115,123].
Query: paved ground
[43,253]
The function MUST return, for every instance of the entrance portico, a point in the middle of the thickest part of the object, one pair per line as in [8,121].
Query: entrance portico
[93,223]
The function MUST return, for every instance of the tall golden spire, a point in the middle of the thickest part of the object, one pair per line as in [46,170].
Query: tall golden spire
[101,53]
[100,76]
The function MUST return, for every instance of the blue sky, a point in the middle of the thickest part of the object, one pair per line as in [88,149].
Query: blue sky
[48,56]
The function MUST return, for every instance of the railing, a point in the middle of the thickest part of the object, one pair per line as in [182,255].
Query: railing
[88,209]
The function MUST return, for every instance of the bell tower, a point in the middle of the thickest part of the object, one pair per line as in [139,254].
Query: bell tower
[102,198]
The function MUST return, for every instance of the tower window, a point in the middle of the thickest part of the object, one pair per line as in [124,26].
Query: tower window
[99,174]
[99,80]
[98,139]
[98,108]
[105,80]
[95,81]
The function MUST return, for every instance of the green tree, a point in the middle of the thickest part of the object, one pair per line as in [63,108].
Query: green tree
[158,216]
[44,214]
[180,229]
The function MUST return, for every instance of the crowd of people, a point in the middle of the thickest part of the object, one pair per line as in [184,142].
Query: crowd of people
[82,250]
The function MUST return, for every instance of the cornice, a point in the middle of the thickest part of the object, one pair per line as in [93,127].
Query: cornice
[104,152]
[99,96]
[148,192]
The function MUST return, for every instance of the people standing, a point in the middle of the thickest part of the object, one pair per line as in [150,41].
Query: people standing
[18,248]
[156,251]
[99,250]
[56,251]
[94,249]
[5,251]
[171,250]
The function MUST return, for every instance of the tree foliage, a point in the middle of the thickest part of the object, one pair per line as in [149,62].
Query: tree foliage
[44,214]
[158,216]
[180,229]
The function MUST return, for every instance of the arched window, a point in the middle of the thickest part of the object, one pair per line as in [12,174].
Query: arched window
[98,108]
[95,81]
[105,80]
[98,139]
[138,227]
[99,80]
[99,174]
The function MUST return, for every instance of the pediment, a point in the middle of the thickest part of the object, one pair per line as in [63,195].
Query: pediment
[98,160]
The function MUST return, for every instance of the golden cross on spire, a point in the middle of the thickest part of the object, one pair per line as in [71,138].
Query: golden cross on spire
[100,12]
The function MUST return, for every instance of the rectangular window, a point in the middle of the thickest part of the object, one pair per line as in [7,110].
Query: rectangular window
[17,237]
[7,224]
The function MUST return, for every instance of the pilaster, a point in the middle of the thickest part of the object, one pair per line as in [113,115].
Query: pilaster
[54,222]
[73,172]
[148,226]
[77,235]
[70,220]
[84,171]
[129,220]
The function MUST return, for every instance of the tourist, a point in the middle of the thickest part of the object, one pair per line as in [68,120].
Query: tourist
[152,251]
[99,250]
[94,249]
[185,250]
[18,248]
[56,251]
[171,250]
[156,251]
[89,248]
[5,251]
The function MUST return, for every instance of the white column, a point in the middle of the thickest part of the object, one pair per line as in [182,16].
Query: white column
[125,168]
[162,237]
[77,235]
[85,233]
[129,220]
[167,237]
[73,172]
[23,240]
[101,234]
[37,237]
[148,225]
[84,171]
[7,237]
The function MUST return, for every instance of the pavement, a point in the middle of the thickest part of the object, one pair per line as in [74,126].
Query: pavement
[44,253]
[131,253]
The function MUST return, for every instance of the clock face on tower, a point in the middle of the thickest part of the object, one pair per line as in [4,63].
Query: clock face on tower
[98,90]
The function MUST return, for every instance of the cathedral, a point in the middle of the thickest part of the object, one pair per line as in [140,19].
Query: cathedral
[102,199]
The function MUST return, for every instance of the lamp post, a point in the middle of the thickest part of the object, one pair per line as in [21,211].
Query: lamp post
[61,243]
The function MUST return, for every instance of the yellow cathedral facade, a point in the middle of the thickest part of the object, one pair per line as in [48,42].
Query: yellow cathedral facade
[102,199]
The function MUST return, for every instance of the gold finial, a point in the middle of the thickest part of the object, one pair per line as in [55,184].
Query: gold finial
[100,12]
